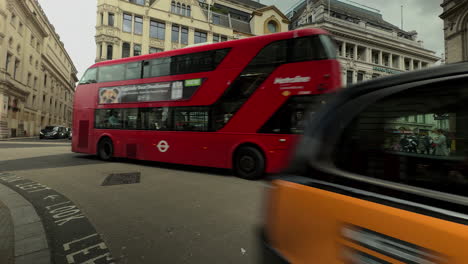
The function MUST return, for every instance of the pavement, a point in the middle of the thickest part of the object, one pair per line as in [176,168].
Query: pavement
[54,208]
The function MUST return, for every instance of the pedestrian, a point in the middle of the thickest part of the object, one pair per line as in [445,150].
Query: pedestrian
[440,142]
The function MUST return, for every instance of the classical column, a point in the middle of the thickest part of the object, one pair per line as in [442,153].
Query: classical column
[167,37]
[368,55]
[390,60]
[191,36]
[146,35]
[380,57]
[419,64]
[411,66]
[343,49]
[355,50]
[104,50]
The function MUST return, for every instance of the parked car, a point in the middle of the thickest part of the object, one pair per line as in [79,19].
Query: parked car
[354,194]
[69,133]
[53,132]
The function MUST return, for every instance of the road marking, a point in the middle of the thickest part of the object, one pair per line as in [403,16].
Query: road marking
[93,249]
[163,146]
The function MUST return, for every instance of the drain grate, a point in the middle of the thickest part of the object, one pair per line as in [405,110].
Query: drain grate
[122,178]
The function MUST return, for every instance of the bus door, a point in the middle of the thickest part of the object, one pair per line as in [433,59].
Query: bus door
[349,207]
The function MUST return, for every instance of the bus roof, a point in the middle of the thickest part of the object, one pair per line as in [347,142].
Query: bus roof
[221,45]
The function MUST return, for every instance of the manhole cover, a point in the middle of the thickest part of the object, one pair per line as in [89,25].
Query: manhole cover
[122,178]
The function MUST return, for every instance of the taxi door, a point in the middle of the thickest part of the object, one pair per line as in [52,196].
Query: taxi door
[362,195]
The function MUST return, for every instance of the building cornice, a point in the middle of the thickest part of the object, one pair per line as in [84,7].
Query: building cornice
[50,66]
[341,29]
[35,22]
[451,11]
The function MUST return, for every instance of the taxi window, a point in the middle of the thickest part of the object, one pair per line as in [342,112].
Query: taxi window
[418,137]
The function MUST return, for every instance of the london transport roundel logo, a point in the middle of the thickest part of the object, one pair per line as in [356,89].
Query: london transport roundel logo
[163,146]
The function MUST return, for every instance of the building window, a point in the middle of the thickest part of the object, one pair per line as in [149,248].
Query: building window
[100,50]
[15,70]
[375,75]
[184,10]
[184,36]
[138,25]
[215,38]
[45,80]
[110,21]
[175,33]
[216,19]
[349,77]
[35,83]
[8,60]
[360,76]
[102,18]
[20,28]
[127,23]
[32,40]
[157,30]
[154,50]
[136,49]
[173,7]
[189,11]
[125,50]
[13,19]
[109,52]
[200,37]
[223,38]
[272,27]
[138,2]
[178,8]
[28,82]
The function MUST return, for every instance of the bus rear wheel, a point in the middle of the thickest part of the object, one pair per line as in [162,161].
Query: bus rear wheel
[105,149]
[249,163]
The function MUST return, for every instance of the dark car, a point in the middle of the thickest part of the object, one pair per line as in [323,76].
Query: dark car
[354,193]
[55,132]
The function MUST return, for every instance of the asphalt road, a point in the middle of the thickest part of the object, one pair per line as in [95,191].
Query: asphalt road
[175,214]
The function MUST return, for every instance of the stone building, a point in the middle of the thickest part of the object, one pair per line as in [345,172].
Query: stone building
[368,46]
[455,16]
[37,76]
[133,27]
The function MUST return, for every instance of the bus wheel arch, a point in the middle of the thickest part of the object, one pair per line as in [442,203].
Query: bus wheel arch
[249,161]
[105,148]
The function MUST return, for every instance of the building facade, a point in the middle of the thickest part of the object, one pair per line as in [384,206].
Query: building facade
[127,28]
[368,46]
[455,16]
[37,77]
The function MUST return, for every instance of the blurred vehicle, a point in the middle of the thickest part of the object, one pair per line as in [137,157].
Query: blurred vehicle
[53,132]
[69,133]
[236,104]
[352,194]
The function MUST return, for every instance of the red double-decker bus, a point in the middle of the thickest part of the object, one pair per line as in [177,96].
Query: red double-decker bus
[237,104]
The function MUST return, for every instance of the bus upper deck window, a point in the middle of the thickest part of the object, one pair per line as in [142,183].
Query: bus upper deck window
[90,76]
[329,45]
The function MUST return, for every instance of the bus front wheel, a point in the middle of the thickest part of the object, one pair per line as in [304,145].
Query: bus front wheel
[249,163]
[105,149]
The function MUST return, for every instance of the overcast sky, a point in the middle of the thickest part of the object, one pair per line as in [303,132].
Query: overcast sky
[77,28]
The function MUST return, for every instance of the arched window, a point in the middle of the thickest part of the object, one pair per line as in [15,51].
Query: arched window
[189,11]
[125,50]
[272,26]
[173,7]
[109,52]
[178,8]
[184,9]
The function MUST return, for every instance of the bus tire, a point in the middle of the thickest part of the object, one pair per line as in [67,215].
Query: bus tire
[105,149]
[249,163]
